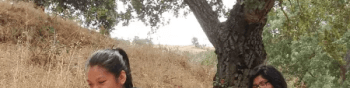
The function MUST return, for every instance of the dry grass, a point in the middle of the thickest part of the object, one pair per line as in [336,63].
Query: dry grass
[19,71]
[42,51]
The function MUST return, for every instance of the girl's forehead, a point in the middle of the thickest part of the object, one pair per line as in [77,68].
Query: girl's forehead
[258,79]
[97,67]
[97,70]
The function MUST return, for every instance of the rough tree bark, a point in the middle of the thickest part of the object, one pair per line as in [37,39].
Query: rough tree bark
[237,41]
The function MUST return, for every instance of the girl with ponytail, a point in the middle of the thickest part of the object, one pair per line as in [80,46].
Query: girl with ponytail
[109,68]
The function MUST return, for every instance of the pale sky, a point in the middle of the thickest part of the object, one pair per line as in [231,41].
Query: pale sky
[180,31]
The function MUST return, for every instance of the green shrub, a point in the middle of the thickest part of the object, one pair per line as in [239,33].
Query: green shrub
[204,58]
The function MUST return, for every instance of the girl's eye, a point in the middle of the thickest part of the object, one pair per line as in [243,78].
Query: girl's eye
[101,82]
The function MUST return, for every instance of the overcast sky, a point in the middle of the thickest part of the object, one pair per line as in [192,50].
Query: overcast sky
[180,31]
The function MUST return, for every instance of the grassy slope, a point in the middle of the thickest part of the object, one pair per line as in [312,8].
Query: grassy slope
[42,51]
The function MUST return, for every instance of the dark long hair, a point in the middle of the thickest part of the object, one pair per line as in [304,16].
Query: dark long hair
[269,73]
[114,60]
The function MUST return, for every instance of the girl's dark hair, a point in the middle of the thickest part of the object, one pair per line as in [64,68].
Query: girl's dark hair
[114,60]
[269,73]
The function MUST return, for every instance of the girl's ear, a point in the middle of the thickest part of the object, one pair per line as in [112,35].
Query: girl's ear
[122,77]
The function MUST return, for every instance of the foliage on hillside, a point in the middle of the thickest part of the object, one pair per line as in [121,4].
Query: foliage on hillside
[140,41]
[204,58]
[93,13]
[309,40]
[24,22]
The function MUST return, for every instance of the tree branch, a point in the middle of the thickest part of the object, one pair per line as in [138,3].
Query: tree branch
[206,17]
[285,14]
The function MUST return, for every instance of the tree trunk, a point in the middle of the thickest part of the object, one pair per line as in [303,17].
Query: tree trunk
[238,41]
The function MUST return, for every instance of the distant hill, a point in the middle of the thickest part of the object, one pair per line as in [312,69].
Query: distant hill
[38,50]
[188,48]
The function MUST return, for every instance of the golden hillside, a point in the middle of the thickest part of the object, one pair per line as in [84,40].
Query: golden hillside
[42,51]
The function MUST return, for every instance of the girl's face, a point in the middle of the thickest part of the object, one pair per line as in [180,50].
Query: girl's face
[99,77]
[260,82]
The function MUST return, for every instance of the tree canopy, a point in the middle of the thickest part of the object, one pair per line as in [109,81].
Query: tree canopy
[309,39]
[109,13]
